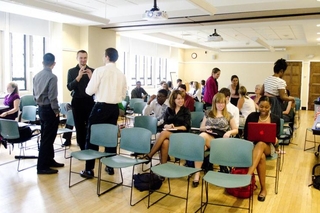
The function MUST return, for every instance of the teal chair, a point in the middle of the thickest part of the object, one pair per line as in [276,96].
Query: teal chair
[196,119]
[61,131]
[147,122]
[134,139]
[29,116]
[133,101]
[26,100]
[9,130]
[138,107]
[186,146]
[105,135]
[198,106]
[233,152]
[297,108]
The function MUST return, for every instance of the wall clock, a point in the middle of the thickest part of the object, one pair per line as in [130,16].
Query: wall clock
[194,55]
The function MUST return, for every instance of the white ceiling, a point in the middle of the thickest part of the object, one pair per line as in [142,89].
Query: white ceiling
[249,24]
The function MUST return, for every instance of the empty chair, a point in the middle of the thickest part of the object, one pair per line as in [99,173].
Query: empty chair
[105,135]
[133,101]
[134,139]
[138,107]
[198,106]
[186,146]
[231,152]
[26,100]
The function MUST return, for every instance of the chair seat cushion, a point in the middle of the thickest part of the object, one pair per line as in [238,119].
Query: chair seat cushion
[170,170]
[120,161]
[64,130]
[90,154]
[226,180]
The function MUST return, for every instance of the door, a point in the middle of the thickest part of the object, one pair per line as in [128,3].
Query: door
[293,78]
[314,84]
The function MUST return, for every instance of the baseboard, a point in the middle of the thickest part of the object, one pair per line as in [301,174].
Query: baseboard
[303,108]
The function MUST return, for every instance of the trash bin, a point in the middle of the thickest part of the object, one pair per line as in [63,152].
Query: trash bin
[316,106]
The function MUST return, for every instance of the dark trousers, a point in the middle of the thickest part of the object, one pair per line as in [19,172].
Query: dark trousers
[101,113]
[49,126]
[81,109]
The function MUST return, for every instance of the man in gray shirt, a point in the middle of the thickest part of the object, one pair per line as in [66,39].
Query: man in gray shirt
[45,92]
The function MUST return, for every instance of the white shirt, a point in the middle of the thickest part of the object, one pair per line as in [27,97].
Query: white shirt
[108,84]
[234,111]
[247,107]
[197,94]
[272,85]
[157,110]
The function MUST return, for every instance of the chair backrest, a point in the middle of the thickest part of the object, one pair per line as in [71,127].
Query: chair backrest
[138,107]
[281,126]
[104,135]
[147,122]
[63,108]
[70,119]
[27,100]
[29,113]
[198,106]
[134,100]
[231,152]
[196,119]
[9,129]
[186,146]
[297,103]
[135,139]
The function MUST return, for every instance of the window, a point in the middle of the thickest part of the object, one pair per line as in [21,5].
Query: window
[26,55]
[149,70]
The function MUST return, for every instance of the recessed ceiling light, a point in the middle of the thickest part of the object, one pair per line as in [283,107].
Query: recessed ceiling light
[318,33]
[318,39]
[318,25]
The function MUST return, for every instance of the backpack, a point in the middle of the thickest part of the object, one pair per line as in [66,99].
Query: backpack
[142,181]
[242,192]
[316,176]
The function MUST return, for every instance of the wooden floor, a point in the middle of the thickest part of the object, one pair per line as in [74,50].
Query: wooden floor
[28,192]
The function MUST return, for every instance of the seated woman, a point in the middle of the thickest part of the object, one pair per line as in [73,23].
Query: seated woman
[261,149]
[216,123]
[245,104]
[257,95]
[12,100]
[176,117]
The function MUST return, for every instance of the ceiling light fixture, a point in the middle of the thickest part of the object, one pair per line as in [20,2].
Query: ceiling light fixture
[154,14]
[215,36]
[251,49]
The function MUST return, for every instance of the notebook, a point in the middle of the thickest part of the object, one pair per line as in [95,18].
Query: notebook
[265,132]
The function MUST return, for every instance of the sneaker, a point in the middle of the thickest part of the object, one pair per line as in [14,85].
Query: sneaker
[87,174]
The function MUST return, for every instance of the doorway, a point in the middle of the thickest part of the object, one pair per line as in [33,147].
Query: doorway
[293,78]
[314,84]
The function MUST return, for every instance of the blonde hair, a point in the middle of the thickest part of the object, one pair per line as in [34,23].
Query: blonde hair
[243,92]
[219,98]
[196,85]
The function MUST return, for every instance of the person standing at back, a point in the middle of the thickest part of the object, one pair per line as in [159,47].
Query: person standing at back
[109,85]
[211,87]
[45,92]
[82,103]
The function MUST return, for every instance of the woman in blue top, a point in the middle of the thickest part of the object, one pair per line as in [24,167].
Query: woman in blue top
[177,118]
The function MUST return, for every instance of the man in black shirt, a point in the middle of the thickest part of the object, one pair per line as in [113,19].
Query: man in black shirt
[139,92]
[78,78]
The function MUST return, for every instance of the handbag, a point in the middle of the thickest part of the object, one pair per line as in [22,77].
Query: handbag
[242,192]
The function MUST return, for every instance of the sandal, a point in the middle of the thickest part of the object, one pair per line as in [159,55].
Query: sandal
[145,157]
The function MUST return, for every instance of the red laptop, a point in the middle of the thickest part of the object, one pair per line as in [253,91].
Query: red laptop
[265,132]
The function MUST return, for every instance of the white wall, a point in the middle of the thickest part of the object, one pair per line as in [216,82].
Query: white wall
[251,67]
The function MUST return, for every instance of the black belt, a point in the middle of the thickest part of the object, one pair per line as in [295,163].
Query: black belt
[103,103]
[45,105]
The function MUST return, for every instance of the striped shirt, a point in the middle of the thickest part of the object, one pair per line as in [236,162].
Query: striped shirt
[272,85]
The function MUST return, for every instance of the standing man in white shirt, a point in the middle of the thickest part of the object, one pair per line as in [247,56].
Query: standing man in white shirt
[157,106]
[109,86]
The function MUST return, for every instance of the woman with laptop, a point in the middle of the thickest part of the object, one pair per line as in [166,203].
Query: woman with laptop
[265,145]
[217,123]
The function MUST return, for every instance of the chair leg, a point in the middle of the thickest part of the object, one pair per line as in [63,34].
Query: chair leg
[70,174]
[277,175]
[306,141]
[99,193]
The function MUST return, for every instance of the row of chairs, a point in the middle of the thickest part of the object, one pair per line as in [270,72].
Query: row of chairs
[183,145]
